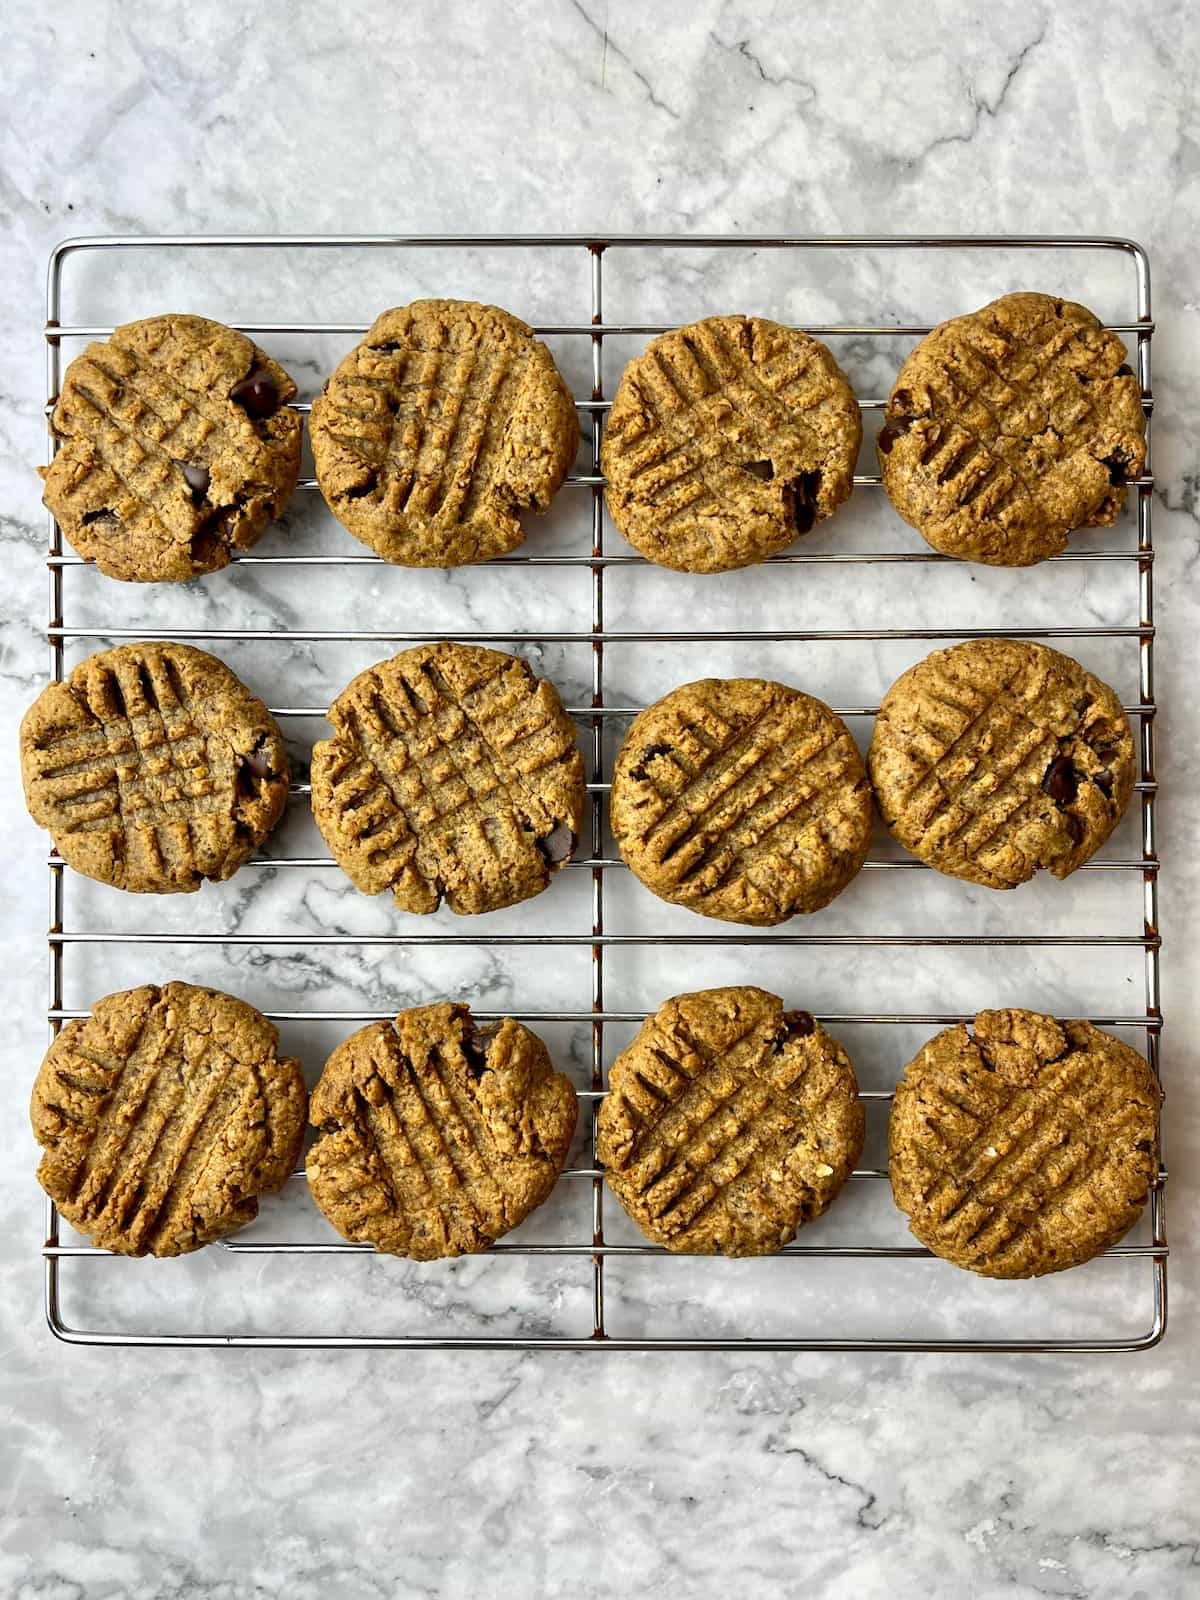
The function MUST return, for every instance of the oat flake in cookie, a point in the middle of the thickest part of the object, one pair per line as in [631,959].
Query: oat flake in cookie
[998,757]
[1021,1145]
[741,799]
[447,422]
[177,448]
[1008,428]
[435,1137]
[729,1122]
[453,772]
[163,1116]
[153,768]
[726,440]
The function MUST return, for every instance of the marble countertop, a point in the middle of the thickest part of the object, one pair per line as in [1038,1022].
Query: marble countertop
[228,1474]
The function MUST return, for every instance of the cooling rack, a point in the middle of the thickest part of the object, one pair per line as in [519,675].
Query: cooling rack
[1146,1263]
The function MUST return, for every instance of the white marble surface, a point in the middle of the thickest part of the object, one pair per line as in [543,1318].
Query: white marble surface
[216,1474]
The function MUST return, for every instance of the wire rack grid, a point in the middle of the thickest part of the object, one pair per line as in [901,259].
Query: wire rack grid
[595,716]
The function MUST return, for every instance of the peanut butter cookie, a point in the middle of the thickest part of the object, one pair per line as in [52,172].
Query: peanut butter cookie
[998,757]
[1009,427]
[453,771]
[153,768]
[178,448]
[741,799]
[1022,1145]
[728,1123]
[435,1137]
[439,429]
[163,1116]
[726,440]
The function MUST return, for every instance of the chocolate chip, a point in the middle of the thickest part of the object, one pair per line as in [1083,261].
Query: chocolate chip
[1124,370]
[1117,466]
[648,754]
[105,518]
[1104,782]
[1074,827]
[805,490]
[799,1023]
[1144,1145]
[894,428]
[1061,781]
[557,846]
[476,1044]
[198,479]
[257,394]
[759,469]
[1083,702]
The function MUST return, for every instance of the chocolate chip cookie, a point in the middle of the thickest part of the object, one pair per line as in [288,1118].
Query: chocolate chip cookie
[1021,1145]
[453,772]
[998,757]
[1009,427]
[177,448]
[728,1123]
[726,440]
[163,1116]
[153,768]
[741,799]
[436,1137]
[439,429]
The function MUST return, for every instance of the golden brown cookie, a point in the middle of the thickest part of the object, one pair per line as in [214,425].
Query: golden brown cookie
[728,1123]
[998,757]
[177,448]
[453,772]
[741,799]
[153,768]
[436,1137]
[163,1116]
[726,440]
[439,429]
[1009,427]
[1021,1145]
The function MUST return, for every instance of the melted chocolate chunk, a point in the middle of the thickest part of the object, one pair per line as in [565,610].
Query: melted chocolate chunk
[1061,781]
[198,479]
[1104,782]
[105,518]
[557,846]
[805,490]
[759,469]
[894,428]
[648,754]
[796,1025]
[476,1044]
[1124,370]
[257,394]
[1117,466]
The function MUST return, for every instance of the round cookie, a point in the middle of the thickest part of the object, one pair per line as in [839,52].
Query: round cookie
[153,768]
[453,772]
[998,757]
[439,429]
[1009,427]
[728,1123]
[1021,1145]
[178,448]
[726,439]
[163,1116]
[741,799]
[436,1137]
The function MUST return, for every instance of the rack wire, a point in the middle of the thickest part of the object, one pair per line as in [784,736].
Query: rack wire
[594,715]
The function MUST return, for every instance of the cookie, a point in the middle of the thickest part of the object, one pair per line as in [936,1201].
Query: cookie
[439,429]
[436,1137]
[741,799]
[177,448]
[153,768]
[163,1116]
[726,439]
[1021,1145]
[1008,428]
[728,1123]
[453,772]
[998,757]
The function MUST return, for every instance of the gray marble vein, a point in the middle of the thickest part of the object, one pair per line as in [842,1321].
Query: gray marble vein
[220,1475]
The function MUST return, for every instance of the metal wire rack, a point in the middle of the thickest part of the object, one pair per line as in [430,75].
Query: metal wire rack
[594,715]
